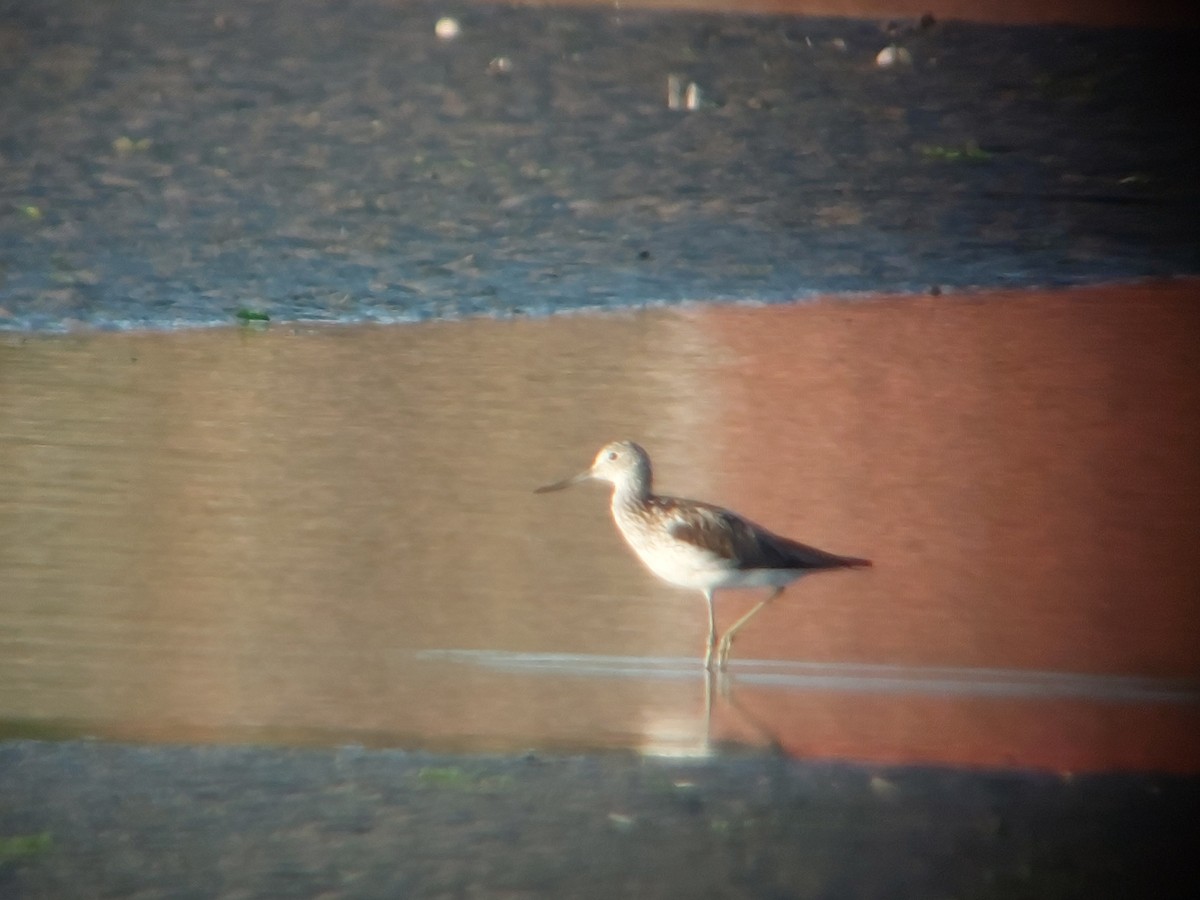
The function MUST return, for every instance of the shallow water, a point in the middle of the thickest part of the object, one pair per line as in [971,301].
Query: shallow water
[329,534]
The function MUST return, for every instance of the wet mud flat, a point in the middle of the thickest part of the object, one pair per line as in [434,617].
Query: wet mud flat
[167,164]
[91,819]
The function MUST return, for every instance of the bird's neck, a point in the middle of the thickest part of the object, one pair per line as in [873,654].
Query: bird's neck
[630,492]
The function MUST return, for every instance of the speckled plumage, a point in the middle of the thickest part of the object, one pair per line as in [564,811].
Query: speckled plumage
[697,545]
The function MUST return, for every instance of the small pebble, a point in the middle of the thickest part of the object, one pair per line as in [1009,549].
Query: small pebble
[893,56]
[447,28]
[680,97]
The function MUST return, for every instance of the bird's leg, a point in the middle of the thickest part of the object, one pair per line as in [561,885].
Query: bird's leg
[727,641]
[712,631]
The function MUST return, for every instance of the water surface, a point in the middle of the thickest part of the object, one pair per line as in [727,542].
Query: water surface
[329,534]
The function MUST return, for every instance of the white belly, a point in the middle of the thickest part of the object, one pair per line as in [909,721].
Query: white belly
[688,566]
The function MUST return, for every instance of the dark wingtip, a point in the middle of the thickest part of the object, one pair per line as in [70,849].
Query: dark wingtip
[853,562]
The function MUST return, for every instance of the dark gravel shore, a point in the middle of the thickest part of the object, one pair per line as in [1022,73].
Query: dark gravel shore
[173,163]
[97,820]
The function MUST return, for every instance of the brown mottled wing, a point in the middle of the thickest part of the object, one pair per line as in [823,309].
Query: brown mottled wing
[754,547]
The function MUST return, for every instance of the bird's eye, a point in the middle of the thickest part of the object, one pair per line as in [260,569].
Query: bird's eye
[612,454]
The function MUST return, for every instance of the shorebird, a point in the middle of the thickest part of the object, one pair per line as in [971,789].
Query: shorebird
[696,545]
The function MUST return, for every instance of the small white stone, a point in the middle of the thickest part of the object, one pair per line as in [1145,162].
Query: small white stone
[691,97]
[447,28]
[892,55]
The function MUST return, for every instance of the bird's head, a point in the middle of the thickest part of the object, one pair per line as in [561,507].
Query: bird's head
[623,464]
